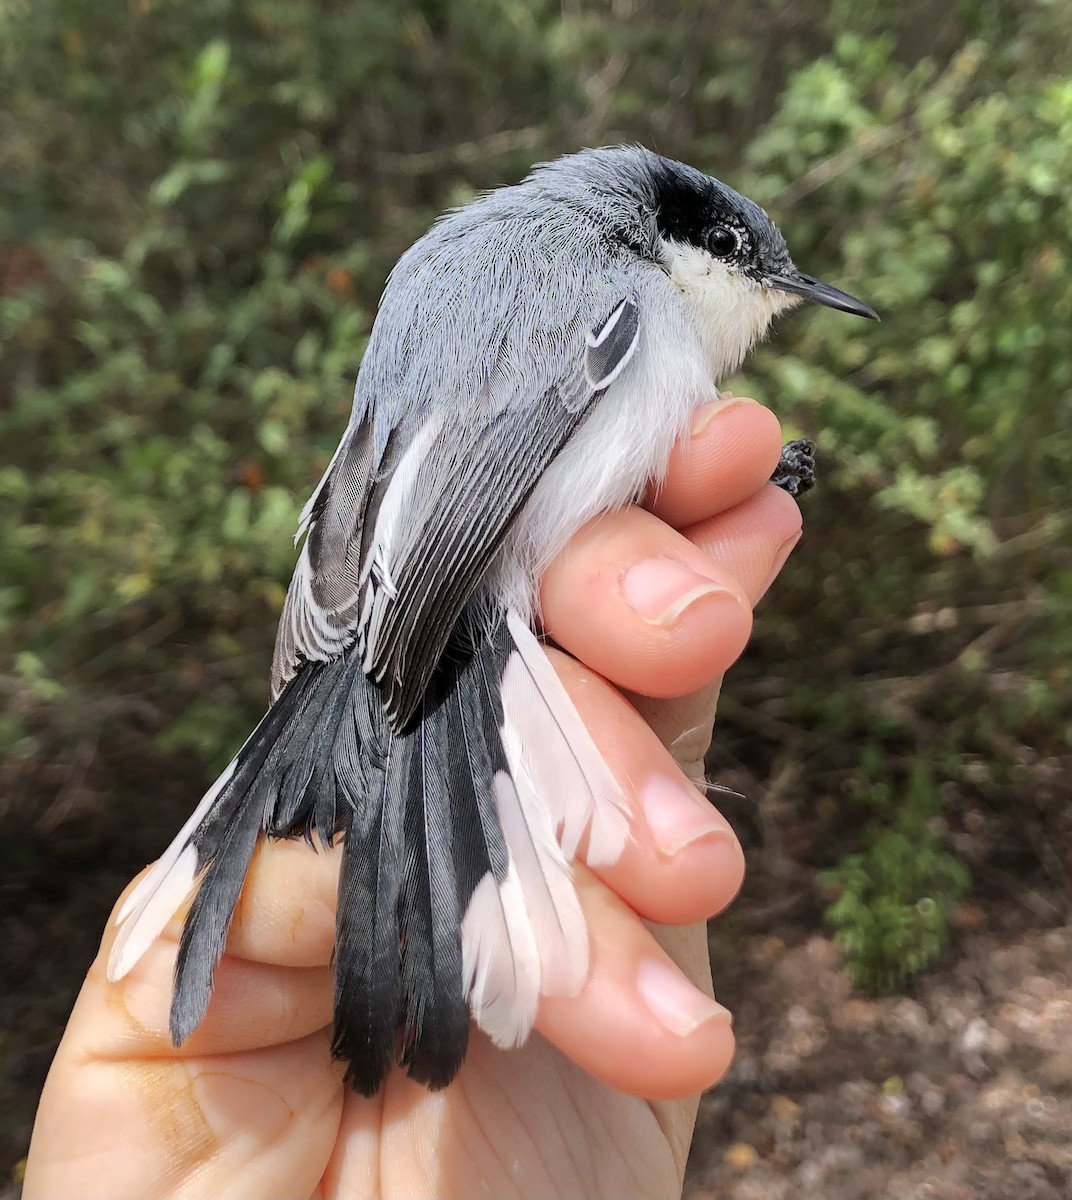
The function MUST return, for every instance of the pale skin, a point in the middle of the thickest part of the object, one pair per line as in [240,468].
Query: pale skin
[602,1100]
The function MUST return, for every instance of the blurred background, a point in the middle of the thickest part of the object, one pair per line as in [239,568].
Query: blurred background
[199,202]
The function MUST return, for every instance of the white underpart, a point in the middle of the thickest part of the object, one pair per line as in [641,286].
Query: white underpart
[731,311]
[696,326]
[149,907]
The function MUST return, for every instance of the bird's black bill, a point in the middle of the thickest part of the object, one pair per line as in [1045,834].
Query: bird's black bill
[822,293]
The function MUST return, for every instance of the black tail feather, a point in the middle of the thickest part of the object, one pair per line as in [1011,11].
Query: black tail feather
[478,755]
[368,954]
[225,842]
[420,830]
[435,1015]
[205,930]
[307,804]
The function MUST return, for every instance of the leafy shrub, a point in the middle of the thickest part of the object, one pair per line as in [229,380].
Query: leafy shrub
[949,429]
[894,900]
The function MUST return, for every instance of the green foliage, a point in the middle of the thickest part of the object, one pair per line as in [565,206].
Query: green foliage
[957,413]
[199,203]
[894,900]
[934,190]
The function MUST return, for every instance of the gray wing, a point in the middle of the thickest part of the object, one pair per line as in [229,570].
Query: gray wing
[398,540]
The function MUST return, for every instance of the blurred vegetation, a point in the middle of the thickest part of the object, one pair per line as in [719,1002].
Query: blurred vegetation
[198,205]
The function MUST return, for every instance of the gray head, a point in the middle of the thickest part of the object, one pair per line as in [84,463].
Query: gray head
[687,221]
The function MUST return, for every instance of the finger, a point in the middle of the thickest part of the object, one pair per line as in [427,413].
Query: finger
[752,541]
[680,1040]
[273,983]
[729,453]
[285,915]
[242,1124]
[682,861]
[645,608]
[252,1005]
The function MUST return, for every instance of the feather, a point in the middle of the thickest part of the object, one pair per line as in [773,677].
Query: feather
[445,538]
[567,771]
[368,957]
[544,873]
[501,969]
[149,907]
[523,933]
[153,902]
[457,491]
[322,607]
[500,959]
[402,484]
[435,1016]
[546,881]
[205,928]
[228,833]
[612,345]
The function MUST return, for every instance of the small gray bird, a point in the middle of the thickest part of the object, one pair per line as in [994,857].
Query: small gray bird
[535,357]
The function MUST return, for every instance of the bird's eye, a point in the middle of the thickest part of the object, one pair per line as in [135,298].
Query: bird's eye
[724,242]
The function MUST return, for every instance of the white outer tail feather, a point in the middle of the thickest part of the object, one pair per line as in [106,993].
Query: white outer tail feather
[572,778]
[546,879]
[561,787]
[500,959]
[520,939]
[149,907]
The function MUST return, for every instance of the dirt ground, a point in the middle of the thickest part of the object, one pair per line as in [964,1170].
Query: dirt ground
[959,1090]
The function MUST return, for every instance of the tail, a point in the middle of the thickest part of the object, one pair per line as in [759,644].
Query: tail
[455,893]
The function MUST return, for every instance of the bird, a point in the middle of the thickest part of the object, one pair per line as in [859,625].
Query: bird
[535,356]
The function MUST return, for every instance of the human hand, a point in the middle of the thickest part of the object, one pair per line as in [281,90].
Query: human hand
[659,603]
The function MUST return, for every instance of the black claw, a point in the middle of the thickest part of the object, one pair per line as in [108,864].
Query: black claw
[796,468]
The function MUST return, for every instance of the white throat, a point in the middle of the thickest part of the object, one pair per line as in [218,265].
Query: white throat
[731,311]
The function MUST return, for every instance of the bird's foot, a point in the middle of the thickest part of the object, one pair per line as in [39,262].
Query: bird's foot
[795,472]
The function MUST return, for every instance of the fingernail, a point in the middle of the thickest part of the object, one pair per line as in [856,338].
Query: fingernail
[705,415]
[673,1001]
[660,589]
[783,552]
[678,815]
